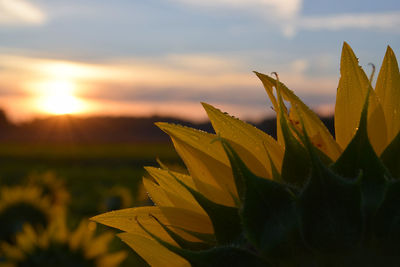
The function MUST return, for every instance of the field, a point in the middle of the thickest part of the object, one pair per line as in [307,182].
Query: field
[88,171]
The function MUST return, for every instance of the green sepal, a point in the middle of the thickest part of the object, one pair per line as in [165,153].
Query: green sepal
[183,243]
[276,176]
[225,220]
[206,238]
[358,156]
[391,157]
[296,164]
[268,211]
[387,221]
[219,256]
[330,208]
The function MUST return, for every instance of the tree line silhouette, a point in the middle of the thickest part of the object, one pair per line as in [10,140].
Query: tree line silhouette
[102,129]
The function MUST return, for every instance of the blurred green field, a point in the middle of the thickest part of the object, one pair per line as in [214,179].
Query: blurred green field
[89,171]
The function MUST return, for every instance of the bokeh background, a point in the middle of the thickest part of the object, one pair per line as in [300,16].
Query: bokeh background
[82,83]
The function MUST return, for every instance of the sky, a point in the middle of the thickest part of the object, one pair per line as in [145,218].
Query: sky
[164,57]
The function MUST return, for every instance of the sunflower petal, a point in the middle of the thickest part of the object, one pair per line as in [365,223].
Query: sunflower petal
[388,91]
[209,191]
[205,160]
[376,124]
[178,194]
[187,219]
[269,87]
[152,251]
[313,125]
[251,142]
[156,194]
[352,90]
[125,220]
[182,242]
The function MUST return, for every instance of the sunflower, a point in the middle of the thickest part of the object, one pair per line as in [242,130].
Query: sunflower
[52,186]
[20,205]
[57,246]
[305,199]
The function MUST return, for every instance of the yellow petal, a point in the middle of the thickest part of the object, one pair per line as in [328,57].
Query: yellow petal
[377,132]
[315,128]
[152,252]
[125,219]
[98,245]
[187,179]
[156,194]
[205,160]
[176,192]
[110,260]
[209,191]
[187,219]
[251,143]
[352,90]
[269,85]
[80,235]
[388,92]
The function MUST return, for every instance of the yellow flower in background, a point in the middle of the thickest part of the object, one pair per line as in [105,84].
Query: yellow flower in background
[57,246]
[52,186]
[20,205]
[251,200]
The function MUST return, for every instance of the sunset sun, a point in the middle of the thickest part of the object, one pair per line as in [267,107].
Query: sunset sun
[58,97]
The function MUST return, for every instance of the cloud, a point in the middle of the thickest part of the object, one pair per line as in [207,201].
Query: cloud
[286,16]
[378,21]
[202,62]
[285,9]
[20,12]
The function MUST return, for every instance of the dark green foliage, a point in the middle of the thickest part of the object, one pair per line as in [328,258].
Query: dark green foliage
[391,157]
[330,209]
[223,257]
[296,164]
[387,220]
[268,211]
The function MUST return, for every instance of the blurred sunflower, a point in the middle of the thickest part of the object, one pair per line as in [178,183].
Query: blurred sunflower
[21,205]
[52,186]
[57,246]
[304,199]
